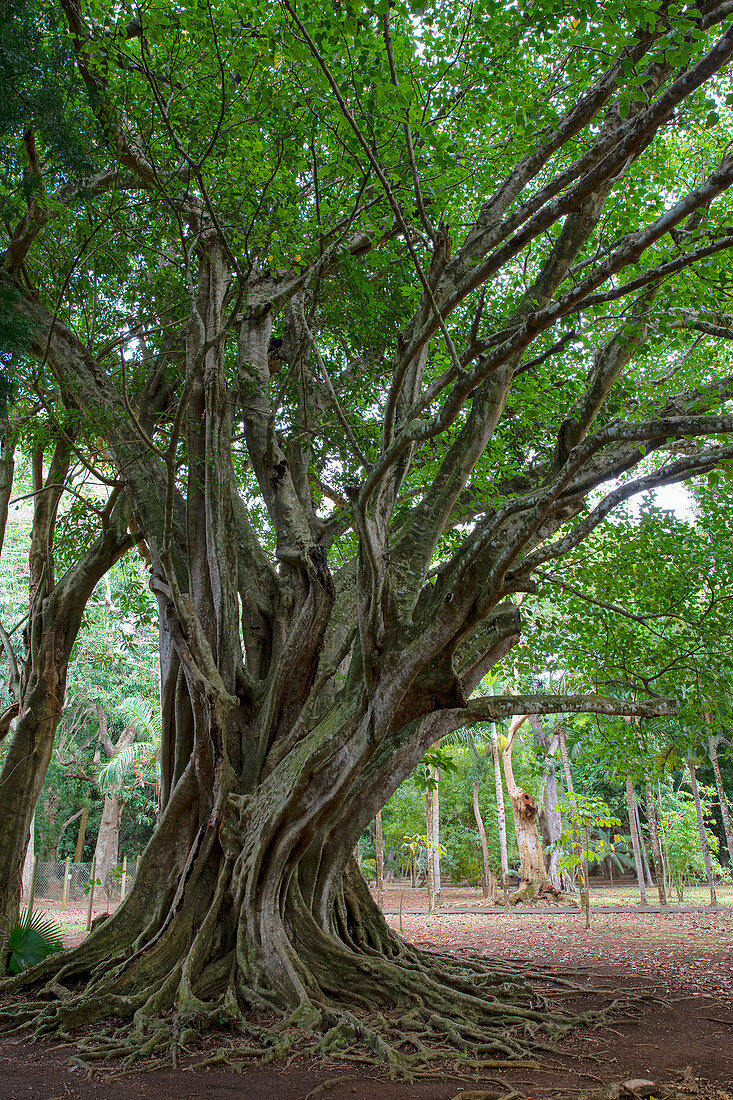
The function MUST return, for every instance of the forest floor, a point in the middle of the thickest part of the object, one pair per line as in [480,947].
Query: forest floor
[682,1043]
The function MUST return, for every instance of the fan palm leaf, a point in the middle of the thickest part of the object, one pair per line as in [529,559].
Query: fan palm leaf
[29,941]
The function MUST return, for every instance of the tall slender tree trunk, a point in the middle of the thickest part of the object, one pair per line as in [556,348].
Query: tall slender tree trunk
[722,798]
[705,847]
[435,799]
[651,816]
[570,787]
[500,813]
[648,880]
[488,879]
[429,861]
[379,857]
[635,840]
[565,760]
[81,835]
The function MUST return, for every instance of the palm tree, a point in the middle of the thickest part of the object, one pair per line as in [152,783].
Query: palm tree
[128,758]
[141,757]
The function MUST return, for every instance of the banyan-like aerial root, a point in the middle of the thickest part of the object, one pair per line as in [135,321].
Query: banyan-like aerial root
[478,1013]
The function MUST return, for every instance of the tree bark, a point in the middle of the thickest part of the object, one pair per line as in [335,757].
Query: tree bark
[651,815]
[704,846]
[635,840]
[722,798]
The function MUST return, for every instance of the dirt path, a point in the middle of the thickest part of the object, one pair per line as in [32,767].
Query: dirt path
[687,959]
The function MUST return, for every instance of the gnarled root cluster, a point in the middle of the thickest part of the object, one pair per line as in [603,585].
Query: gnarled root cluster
[357,992]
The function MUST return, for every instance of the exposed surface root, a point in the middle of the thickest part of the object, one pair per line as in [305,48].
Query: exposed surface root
[477,1013]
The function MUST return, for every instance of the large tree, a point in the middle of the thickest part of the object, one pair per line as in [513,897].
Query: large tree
[369,314]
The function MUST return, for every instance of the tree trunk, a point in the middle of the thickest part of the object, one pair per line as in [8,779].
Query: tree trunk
[649,882]
[40,683]
[429,861]
[379,858]
[435,800]
[651,814]
[565,760]
[488,879]
[705,847]
[635,840]
[30,856]
[535,880]
[549,816]
[500,813]
[81,835]
[722,799]
[107,849]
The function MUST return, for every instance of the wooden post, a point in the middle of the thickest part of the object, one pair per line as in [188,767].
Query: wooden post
[32,890]
[123,880]
[65,887]
[91,893]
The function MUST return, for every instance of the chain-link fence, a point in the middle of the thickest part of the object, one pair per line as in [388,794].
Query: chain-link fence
[49,882]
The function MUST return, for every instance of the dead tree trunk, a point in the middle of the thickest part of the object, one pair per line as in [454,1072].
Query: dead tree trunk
[535,880]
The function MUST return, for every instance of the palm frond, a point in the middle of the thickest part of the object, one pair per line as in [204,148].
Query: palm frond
[31,939]
[114,773]
[142,716]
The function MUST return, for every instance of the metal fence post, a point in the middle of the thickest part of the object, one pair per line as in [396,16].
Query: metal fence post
[65,887]
[123,881]
[91,892]
[32,891]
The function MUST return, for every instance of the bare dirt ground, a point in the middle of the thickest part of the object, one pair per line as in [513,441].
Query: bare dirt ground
[682,1044]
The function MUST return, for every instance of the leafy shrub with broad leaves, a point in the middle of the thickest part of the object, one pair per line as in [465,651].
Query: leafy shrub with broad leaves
[32,939]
